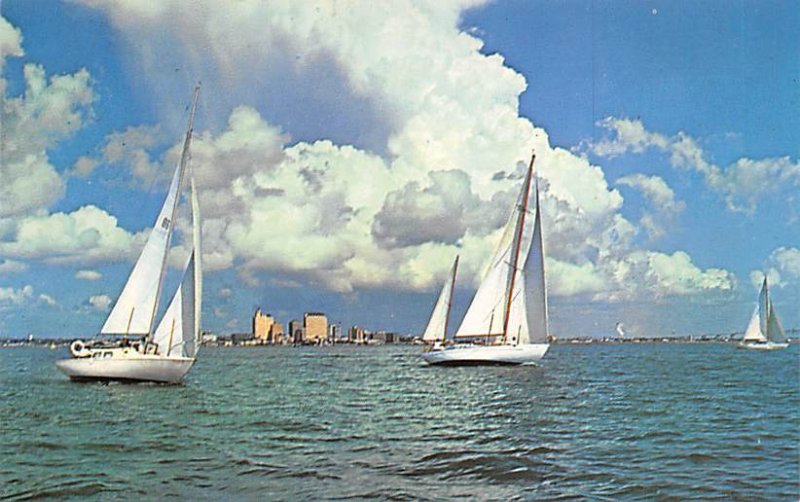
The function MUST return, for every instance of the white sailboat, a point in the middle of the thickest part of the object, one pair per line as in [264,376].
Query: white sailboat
[506,323]
[764,332]
[162,353]
[436,330]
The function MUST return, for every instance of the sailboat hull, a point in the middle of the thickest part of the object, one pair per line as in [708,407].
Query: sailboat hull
[486,355]
[762,345]
[140,369]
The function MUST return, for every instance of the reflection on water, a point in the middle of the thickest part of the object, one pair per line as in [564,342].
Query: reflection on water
[643,421]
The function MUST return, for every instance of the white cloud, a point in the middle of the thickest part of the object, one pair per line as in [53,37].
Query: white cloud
[10,43]
[88,275]
[11,296]
[86,235]
[661,198]
[225,292]
[742,183]
[47,299]
[12,267]
[334,215]
[782,268]
[100,302]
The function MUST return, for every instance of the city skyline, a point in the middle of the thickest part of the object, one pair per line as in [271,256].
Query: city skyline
[345,153]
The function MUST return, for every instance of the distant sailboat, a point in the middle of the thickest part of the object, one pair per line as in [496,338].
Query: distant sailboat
[764,332]
[166,353]
[507,319]
[436,331]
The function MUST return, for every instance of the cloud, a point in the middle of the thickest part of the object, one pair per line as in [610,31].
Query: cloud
[100,302]
[88,275]
[742,183]
[10,43]
[661,198]
[782,268]
[12,296]
[329,213]
[12,267]
[47,299]
[86,235]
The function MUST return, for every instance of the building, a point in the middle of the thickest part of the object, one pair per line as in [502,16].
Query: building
[276,333]
[335,332]
[262,323]
[356,334]
[296,331]
[315,325]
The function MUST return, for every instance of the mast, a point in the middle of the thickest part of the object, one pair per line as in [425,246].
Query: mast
[450,301]
[184,161]
[515,262]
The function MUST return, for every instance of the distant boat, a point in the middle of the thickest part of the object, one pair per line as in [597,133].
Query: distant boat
[765,331]
[436,330]
[506,323]
[137,351]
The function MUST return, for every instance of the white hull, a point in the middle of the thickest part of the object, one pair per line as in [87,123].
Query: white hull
[140,368]
[466,355]
[762,345]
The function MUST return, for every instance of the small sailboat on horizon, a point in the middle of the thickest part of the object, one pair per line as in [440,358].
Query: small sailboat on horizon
[162,353]
[764,332]
[506,323]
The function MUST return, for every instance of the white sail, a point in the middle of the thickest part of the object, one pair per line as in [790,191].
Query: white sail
[134,310]
[775,331]
[175,334]
[486,312]
[753,332]
[437,324]
[198,264]
[178,333]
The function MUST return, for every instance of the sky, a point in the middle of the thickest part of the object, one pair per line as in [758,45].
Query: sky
[346,152]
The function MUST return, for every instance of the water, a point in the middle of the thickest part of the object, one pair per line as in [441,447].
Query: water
[604,422]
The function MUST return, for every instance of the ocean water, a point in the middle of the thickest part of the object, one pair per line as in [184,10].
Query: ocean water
[630,422]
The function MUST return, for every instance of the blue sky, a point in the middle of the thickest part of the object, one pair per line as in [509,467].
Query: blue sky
[345,154]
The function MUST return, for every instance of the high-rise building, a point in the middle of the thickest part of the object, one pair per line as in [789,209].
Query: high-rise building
[316,327]
[261,326]
[276,333]
[296,331]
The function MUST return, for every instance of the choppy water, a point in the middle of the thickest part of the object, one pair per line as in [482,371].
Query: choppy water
[605,422]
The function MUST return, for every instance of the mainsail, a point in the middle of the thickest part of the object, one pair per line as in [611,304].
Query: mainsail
[511,299]
[437,325]
[135,309]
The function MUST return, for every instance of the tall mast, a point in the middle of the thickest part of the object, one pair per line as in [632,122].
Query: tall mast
[184,161]
[515,261]
[450,301]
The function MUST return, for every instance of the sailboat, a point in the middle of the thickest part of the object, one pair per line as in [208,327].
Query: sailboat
[436,330]
[506,322]
[158,353]
[764,332]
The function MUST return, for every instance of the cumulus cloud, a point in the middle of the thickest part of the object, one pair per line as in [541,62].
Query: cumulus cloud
[100,302]
[47,299]
[12,296]
[88,275]
[85,235]
[782,268]
[664,206]
[336,215]
[742,183]
[12,267]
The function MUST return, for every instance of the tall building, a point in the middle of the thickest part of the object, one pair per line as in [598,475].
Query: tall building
[276,333]
[316,327]
[295,331]
[261,326]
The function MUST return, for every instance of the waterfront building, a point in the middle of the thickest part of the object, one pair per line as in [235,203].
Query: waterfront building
[356,334]
[276,333]
[261,326]
[315,326]
[296,331]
